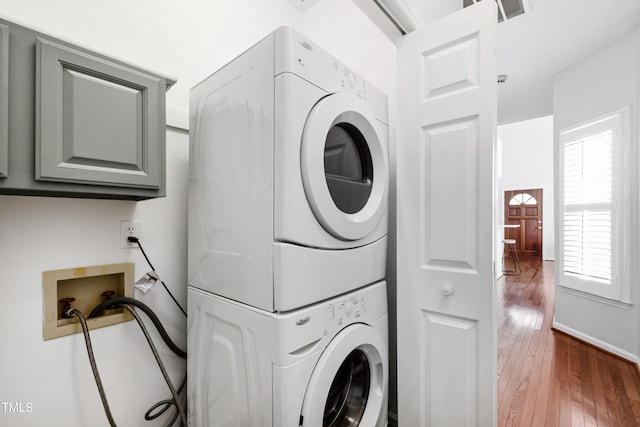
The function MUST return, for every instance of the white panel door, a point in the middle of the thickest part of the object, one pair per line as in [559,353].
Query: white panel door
[446,310]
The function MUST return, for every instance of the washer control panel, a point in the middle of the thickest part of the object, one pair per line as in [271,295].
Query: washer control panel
[347,310]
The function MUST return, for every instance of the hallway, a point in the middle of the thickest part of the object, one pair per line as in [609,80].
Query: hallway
[546,378]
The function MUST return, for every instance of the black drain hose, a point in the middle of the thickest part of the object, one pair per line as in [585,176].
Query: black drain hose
[176,398]
[117,301]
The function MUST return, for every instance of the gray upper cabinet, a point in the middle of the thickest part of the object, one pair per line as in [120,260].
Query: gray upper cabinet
[96,122]
[81,124]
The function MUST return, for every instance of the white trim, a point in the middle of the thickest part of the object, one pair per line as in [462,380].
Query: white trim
[402,14]
[594,297]
[596,342]
[177,118]
[380,18]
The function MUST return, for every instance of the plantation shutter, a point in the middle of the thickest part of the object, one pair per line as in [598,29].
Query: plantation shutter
[588,184]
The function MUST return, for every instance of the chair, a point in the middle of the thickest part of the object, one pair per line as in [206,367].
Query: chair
[510,248]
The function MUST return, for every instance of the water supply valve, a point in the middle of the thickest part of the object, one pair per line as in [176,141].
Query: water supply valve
[66,306]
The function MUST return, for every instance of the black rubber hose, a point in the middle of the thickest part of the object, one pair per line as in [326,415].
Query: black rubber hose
[142,306]
[174,393]
[94,367]
[161,407]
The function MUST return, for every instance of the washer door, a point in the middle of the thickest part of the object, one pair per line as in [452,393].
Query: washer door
[344,166]
[347,387]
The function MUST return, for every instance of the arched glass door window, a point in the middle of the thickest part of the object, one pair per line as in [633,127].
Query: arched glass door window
[523,199]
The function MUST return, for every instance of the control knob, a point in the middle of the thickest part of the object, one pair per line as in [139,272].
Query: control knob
[348,308]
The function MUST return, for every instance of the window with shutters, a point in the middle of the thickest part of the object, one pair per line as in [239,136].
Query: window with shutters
[592,206]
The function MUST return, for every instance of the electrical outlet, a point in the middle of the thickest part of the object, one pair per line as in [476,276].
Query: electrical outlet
[129,229]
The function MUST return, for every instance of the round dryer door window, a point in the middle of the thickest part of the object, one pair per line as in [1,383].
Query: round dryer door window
[347,387]
[344,166]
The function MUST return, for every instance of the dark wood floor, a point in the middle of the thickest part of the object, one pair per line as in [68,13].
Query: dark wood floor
[546,378]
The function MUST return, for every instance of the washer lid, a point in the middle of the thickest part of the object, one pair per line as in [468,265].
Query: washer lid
[347,386]
[344,166]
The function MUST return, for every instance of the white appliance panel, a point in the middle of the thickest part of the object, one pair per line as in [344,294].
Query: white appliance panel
[324,273]
[229,377]
[231,182]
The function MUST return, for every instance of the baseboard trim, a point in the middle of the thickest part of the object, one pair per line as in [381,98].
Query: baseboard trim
[599,344]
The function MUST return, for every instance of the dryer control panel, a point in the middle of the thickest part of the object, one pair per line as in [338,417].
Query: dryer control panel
[350,80]
[296,54]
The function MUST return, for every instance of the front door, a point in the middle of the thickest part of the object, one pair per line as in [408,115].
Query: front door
[445,281]
[523,218]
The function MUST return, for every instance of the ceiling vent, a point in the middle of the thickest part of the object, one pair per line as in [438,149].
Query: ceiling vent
[508,9]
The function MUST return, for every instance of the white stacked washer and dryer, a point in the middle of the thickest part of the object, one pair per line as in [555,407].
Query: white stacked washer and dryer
[287,242]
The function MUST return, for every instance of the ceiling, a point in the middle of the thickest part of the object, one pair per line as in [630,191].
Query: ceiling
[532,48]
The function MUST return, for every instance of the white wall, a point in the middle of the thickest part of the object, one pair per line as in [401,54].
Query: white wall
[40,234]
[603,82]
[189,41]
[527,163]
[435,9]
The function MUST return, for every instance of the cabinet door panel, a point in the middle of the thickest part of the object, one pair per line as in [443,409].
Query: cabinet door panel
[97,122]
[4,100]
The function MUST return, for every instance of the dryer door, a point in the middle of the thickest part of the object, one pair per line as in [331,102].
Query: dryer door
[350,379]
[344,166]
